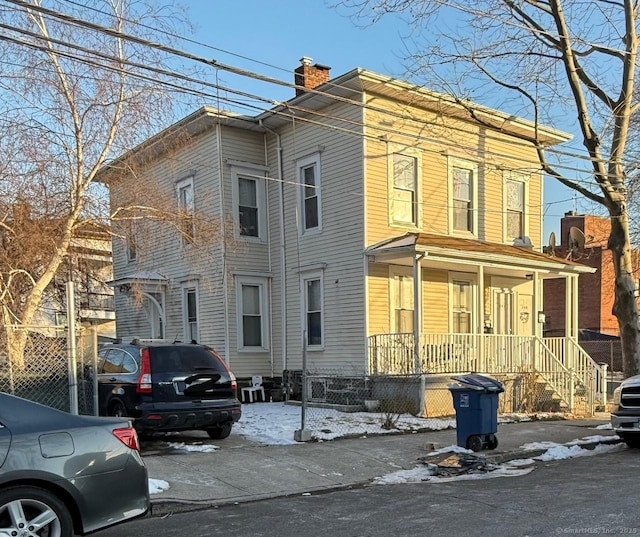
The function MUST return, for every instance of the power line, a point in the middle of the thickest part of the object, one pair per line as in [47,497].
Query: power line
[256,76]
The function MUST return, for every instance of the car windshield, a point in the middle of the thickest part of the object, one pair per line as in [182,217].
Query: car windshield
[172,359]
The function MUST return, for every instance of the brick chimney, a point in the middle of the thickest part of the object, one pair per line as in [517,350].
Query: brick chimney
[310,76]
[595,228]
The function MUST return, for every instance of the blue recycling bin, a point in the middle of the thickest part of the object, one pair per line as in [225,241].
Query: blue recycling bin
[475,398]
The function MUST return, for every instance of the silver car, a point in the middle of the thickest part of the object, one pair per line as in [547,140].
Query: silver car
[62,475]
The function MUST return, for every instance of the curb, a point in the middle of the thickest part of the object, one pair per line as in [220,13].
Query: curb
[164,507]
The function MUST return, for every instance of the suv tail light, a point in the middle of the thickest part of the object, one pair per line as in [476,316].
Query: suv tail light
[128,437]
[234,382]
[144,380]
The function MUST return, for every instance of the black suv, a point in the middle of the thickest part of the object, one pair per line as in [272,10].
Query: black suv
[168,387]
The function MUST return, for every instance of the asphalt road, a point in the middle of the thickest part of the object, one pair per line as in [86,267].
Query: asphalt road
[592,495]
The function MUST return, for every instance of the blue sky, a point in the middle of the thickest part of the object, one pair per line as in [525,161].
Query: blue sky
[280,32]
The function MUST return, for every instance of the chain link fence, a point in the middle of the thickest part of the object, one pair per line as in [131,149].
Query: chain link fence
[342,405]
[42,372]
[605,352]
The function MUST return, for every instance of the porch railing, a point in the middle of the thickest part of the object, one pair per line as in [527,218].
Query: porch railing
[560,362]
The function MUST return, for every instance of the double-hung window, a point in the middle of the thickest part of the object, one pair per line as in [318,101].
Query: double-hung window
[402,293]
[313,302]
[253,308]
[461,306]
[248,207]
[186,206]
[190,312]
[310,196]
[404,189]
[462,202]
[249,202]
[463,181]
[515,208]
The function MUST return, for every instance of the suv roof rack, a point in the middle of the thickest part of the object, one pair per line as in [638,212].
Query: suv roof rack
[142,341]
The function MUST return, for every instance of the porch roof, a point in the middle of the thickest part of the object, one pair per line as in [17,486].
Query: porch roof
[444,248]
[143,278]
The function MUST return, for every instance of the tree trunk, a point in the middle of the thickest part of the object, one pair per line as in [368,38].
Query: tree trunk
[625,306]
[16,342]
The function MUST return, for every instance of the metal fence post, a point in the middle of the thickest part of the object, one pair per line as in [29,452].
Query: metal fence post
[303,435]
[94,375]
[71,348]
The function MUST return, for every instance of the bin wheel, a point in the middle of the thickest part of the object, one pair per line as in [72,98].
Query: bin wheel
[474,443]
[493,442]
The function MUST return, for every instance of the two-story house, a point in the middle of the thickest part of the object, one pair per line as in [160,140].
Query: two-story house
[366,225]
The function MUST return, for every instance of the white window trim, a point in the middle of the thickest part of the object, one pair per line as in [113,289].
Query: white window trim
[180,185]
[263,284]
[396,270]
[523,178]
[184,288]
[304,163]
[454,162]
[473,281]
[261,199]
[315,275]
[410,152]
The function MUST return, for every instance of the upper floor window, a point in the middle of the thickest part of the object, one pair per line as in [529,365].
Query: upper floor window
[186,206]
[516,192]
[132,244]
[404,190]
[463,204]
[311,200]
[252,301]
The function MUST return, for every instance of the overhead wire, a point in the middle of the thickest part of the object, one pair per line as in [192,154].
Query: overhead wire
[387,130]
[256,76]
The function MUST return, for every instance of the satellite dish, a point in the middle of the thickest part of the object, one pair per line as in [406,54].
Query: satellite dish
[577,240]
[551,249]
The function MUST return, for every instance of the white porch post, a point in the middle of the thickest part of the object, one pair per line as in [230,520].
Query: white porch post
[568,304]
[480,321]
[574,306]
[537,304]
[417,310]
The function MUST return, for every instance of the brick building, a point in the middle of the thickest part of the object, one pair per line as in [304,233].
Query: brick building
[596,291]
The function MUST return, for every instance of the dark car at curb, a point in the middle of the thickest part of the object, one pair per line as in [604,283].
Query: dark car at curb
[168,386]
[62,474]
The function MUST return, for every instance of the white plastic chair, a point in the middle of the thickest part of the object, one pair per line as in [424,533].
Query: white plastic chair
[256,387]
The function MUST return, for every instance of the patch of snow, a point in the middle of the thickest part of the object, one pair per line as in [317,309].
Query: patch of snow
[605,427]
[559,452]
[275,423]
[181,446]
[157,485]
[593,439]
[424,473]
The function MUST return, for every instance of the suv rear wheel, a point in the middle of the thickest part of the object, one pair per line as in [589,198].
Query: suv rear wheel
[219,433]
[632,440]
[117,409]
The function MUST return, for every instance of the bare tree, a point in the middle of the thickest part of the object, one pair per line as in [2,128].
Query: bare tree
[72,96]
[558,62]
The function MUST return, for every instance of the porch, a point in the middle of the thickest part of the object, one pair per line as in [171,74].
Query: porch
[556,364]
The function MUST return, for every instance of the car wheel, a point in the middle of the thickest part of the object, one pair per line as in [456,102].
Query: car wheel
[33,511]
[117,409]
[219,433]
[632,441]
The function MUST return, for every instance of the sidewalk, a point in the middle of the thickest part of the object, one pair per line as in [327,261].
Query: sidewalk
[248,471]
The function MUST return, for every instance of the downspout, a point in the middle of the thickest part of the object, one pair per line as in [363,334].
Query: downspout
[225,286]
[283,257]
[270,280]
